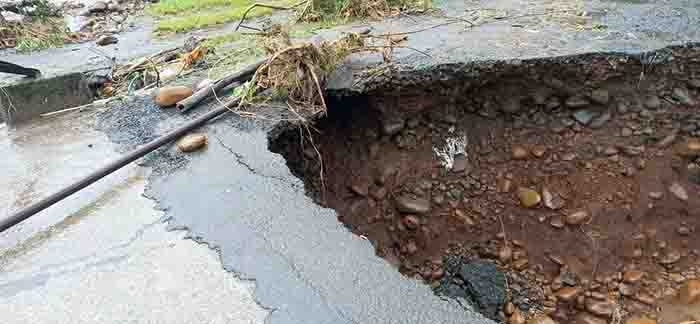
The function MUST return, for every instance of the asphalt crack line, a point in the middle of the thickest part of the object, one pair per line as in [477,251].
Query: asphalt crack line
[298,274]
[116,249]
[240,159]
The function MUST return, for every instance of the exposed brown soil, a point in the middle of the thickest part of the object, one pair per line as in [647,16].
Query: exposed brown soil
[611,138]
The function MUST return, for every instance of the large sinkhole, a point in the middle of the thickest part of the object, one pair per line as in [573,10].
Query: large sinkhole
[578,177]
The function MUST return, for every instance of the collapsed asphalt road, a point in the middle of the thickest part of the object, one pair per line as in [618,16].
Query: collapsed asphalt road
[241,199]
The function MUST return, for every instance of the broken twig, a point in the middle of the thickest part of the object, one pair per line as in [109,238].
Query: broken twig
[255,5]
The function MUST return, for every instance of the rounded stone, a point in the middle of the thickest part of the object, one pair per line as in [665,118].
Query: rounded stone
[601,308]
[600,96]
[505,254]
[411,222]
[519,153]
[516,318]
[577,218]
[169,96]
[192,142]
[568,294]
[528,198]
[632,276]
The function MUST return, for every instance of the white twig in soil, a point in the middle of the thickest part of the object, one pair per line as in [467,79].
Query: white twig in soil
[453,146]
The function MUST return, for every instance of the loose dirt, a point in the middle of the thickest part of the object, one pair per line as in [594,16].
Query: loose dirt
[578,176]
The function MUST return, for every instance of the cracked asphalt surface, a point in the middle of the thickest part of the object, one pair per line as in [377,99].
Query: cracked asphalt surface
[288,260]
[115,262]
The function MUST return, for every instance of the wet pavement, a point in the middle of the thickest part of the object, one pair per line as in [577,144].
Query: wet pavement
[43,156]
[115,262]
[242,201]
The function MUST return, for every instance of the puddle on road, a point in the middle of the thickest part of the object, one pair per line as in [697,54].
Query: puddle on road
[572,175]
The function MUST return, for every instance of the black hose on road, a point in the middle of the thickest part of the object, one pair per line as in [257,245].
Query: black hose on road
[117,164]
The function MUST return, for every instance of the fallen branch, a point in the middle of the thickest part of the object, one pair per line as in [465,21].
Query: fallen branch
[97,104]
[240,76]
[255,5]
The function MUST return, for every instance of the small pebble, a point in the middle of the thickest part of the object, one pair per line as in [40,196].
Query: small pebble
[652,102]
[539,151]
[106,40]
[528,198]
[576,102]
[556,222]
[192,142]
[516,318]
[505,254]
[600,96]
[577,218]
[656,195]
[679,191]
[519,153]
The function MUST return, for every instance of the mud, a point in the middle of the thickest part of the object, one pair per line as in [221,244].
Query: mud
[431,163]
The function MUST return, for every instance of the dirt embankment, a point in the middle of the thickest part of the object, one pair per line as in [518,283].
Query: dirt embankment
[578,176]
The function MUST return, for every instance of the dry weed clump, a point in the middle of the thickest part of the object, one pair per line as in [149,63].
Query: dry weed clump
[36,35]
[298,72]
[375,9]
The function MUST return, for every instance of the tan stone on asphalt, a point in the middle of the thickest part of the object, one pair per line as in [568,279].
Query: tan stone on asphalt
[632,276]
[169,96]
[192,142]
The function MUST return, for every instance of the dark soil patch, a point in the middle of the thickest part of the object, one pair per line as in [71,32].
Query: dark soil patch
[609,137]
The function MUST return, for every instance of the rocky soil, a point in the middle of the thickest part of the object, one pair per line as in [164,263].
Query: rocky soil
[560,190]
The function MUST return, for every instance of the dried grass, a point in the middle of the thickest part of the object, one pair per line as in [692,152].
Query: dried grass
[36,35]
[299,72]
[375,9]
[152,71]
